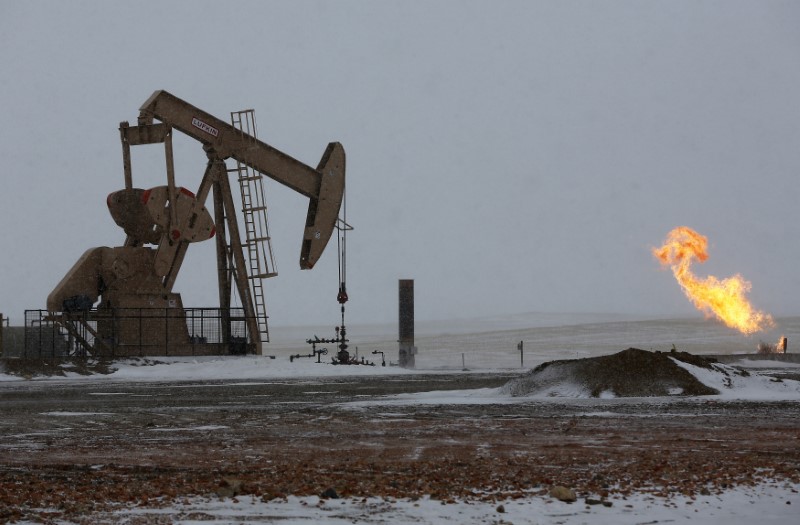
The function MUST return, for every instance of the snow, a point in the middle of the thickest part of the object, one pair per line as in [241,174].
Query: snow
[765,504]
[199,428]
[733,384]
[757,385]
[75,414]
[239,368]
[766,363]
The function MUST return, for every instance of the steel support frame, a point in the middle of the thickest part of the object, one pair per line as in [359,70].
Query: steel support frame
[229,244]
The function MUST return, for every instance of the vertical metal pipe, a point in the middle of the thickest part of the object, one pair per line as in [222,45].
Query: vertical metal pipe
[166,331]
[406,323]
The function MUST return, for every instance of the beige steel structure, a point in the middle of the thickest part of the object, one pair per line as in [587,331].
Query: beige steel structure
[161,222]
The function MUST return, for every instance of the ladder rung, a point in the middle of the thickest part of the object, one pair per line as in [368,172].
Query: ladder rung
[251,177]
[257,208]
[263,275]
[257,240]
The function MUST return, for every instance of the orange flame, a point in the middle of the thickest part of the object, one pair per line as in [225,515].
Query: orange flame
[723,298]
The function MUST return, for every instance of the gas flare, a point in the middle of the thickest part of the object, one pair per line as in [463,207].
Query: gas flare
[766,348]
[724,298]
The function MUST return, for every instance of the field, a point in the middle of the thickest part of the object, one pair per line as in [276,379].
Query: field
[89,450]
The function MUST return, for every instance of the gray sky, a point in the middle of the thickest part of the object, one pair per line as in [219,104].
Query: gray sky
[508,156]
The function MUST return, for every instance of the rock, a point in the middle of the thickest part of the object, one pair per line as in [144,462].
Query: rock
[563,494]
[501,509]
[329,493]
[592,501]
[230,487]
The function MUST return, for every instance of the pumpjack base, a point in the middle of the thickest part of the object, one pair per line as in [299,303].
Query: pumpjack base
[136,332]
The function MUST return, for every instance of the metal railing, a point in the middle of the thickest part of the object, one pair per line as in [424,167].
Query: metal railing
[136,332]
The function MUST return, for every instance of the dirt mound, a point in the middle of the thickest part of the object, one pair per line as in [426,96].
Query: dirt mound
[630,373]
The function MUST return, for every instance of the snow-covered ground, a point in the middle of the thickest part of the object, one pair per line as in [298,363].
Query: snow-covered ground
[766,503]
[754,385]
[757,385]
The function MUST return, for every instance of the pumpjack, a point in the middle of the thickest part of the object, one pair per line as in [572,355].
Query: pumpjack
[160,223]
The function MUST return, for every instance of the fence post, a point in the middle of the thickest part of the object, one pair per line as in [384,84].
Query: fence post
[166,331]
[1,335]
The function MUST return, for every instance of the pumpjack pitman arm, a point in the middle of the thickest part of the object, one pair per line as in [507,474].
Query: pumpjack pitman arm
[324,186]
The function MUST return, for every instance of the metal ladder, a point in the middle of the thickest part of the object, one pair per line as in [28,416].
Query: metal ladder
[256,224]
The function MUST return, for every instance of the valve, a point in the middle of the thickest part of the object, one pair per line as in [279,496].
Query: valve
[383,357]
